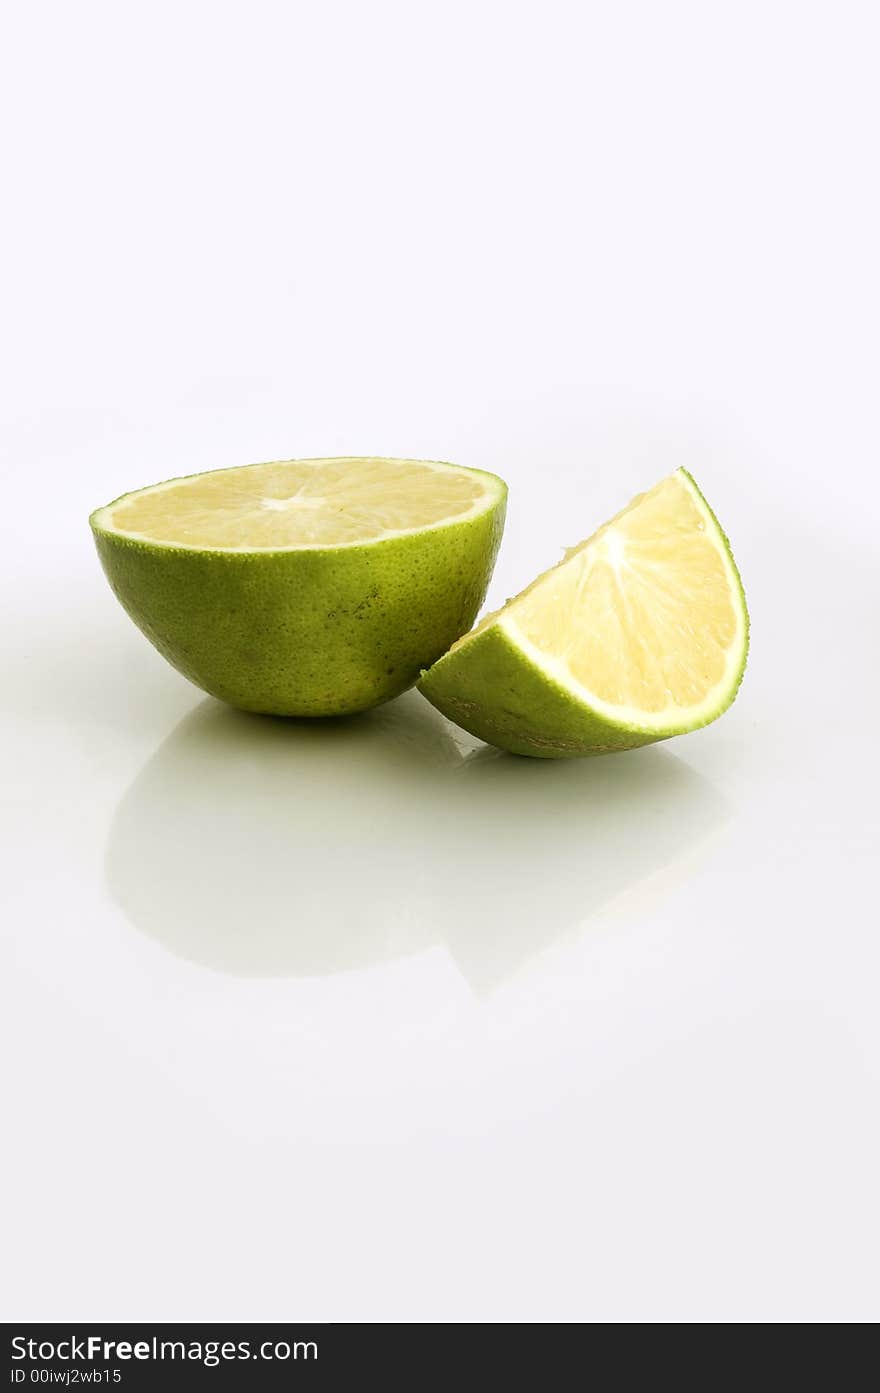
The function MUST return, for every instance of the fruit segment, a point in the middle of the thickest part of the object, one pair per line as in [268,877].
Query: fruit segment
[639,633]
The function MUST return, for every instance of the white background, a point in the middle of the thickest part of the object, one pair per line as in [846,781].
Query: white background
[370,1023]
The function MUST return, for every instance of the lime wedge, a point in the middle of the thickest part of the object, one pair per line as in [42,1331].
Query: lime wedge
[640,633]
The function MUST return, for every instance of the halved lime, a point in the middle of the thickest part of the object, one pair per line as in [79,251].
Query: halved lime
[639,633]
[305,587]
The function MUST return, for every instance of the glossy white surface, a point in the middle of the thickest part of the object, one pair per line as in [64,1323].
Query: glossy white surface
[366,1021]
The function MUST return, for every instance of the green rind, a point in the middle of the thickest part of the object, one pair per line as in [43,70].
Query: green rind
[307,632]
[490,687]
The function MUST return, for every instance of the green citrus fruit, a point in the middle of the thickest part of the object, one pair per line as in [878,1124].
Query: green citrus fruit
[305,587]
[639,633]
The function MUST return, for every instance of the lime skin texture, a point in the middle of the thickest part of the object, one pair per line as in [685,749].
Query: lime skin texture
[307,632]
[490,688]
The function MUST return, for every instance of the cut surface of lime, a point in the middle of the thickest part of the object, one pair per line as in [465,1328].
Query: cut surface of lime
[641,632]
[300,503]
[305,587]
